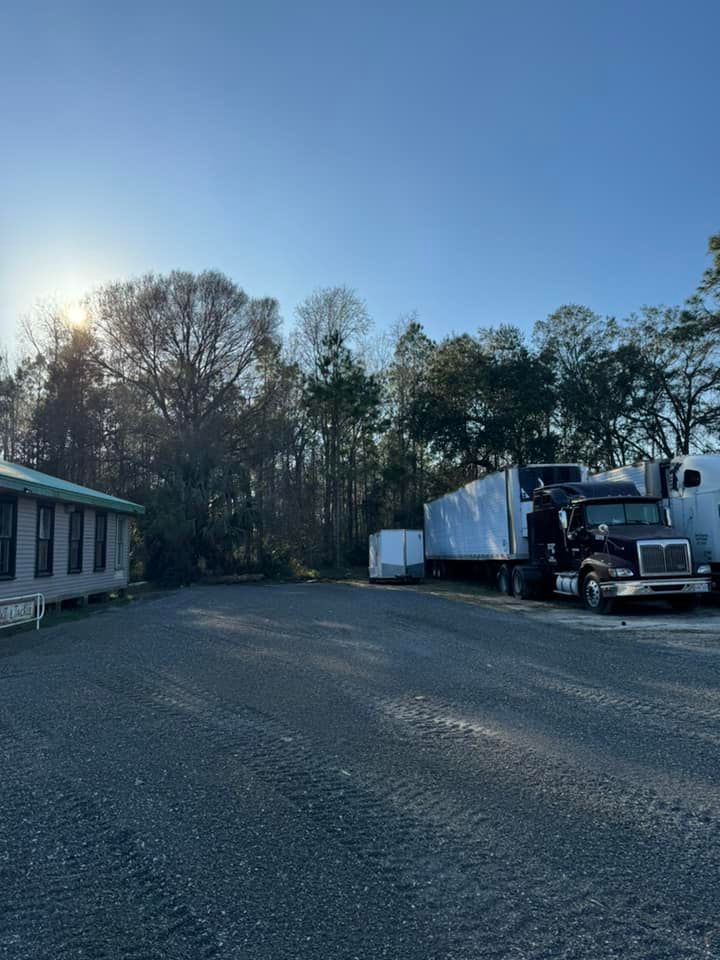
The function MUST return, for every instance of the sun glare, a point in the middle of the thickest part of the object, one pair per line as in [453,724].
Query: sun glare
[76,315]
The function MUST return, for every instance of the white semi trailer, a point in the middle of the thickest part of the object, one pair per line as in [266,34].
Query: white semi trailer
[689,486]
[483,525]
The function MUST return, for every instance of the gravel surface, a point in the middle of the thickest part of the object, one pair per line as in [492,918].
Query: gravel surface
[328,771]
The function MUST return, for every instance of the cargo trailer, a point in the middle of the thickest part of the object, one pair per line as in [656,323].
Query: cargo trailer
[482,527]
[396,555]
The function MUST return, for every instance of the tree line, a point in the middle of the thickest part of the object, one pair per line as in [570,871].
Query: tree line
[255,449]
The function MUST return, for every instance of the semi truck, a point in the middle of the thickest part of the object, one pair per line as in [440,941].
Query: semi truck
[562,534]
[689,487]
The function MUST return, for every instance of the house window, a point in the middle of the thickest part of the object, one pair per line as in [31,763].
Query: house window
[120,541]
[45,538]
[100,540]
[8,530]
[75,555]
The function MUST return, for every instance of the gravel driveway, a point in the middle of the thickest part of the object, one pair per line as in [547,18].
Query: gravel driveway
[329,771]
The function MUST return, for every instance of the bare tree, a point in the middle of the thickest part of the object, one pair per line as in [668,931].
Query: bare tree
[678,382]
[328,313]
[188,341]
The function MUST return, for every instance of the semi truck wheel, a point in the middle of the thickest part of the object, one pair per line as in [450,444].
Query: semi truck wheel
[592,595]
[520,587]
[504,579]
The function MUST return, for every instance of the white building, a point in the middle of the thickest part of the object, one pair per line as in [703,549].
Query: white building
[60,539]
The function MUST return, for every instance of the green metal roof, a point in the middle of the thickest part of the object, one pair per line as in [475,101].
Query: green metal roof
[35,484]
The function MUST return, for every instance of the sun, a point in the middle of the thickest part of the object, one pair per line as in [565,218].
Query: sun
[76,315]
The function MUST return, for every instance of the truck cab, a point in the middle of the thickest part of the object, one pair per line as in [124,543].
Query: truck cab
[690,487]
[604,542]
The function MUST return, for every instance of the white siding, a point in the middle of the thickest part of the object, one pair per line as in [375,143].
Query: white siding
[63,585]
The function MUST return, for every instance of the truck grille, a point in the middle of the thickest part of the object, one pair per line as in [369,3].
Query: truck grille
[660,558]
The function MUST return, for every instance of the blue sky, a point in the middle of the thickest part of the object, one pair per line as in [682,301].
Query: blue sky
[480,163]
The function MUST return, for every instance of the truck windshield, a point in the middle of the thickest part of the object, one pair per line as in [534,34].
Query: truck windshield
[622,511]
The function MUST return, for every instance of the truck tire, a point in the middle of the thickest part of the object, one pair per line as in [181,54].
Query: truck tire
[504,579]
[592,595]
[521,589]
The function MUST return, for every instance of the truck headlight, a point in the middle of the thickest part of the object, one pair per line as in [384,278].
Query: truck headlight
[704,568]
[621,572]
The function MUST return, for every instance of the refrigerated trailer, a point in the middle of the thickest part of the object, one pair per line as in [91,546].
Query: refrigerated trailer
[689,487]
[483,525]
[396,555]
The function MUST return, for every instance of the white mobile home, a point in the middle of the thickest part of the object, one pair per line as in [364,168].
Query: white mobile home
[60,539]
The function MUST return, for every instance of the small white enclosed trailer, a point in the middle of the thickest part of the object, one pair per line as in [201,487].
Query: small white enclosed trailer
[690,488]
[396,555]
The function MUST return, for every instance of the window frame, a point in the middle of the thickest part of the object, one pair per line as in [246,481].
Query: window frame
[120,522]
[99,568]
[626,521]
[71,514]
[692,479]
[13,501]
[45,505]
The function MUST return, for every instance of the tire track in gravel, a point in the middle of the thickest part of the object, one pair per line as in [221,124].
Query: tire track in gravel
[440,724]
[109,871]
[691,828]
[436,722]
[431,722]
[371,821]
[700,722]
[388,823]
[439,848]
[519,909]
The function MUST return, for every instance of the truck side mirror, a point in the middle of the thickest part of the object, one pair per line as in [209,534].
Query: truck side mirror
[668,517]
[563,518]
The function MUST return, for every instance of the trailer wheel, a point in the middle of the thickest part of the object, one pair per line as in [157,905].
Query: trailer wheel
[504,579]
[592,595]
[520,587]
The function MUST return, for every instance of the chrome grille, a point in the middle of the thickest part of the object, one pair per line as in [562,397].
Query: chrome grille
[658,558]
[652,559]
[676,558]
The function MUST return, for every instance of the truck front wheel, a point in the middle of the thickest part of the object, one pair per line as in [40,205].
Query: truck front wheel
[592,595]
